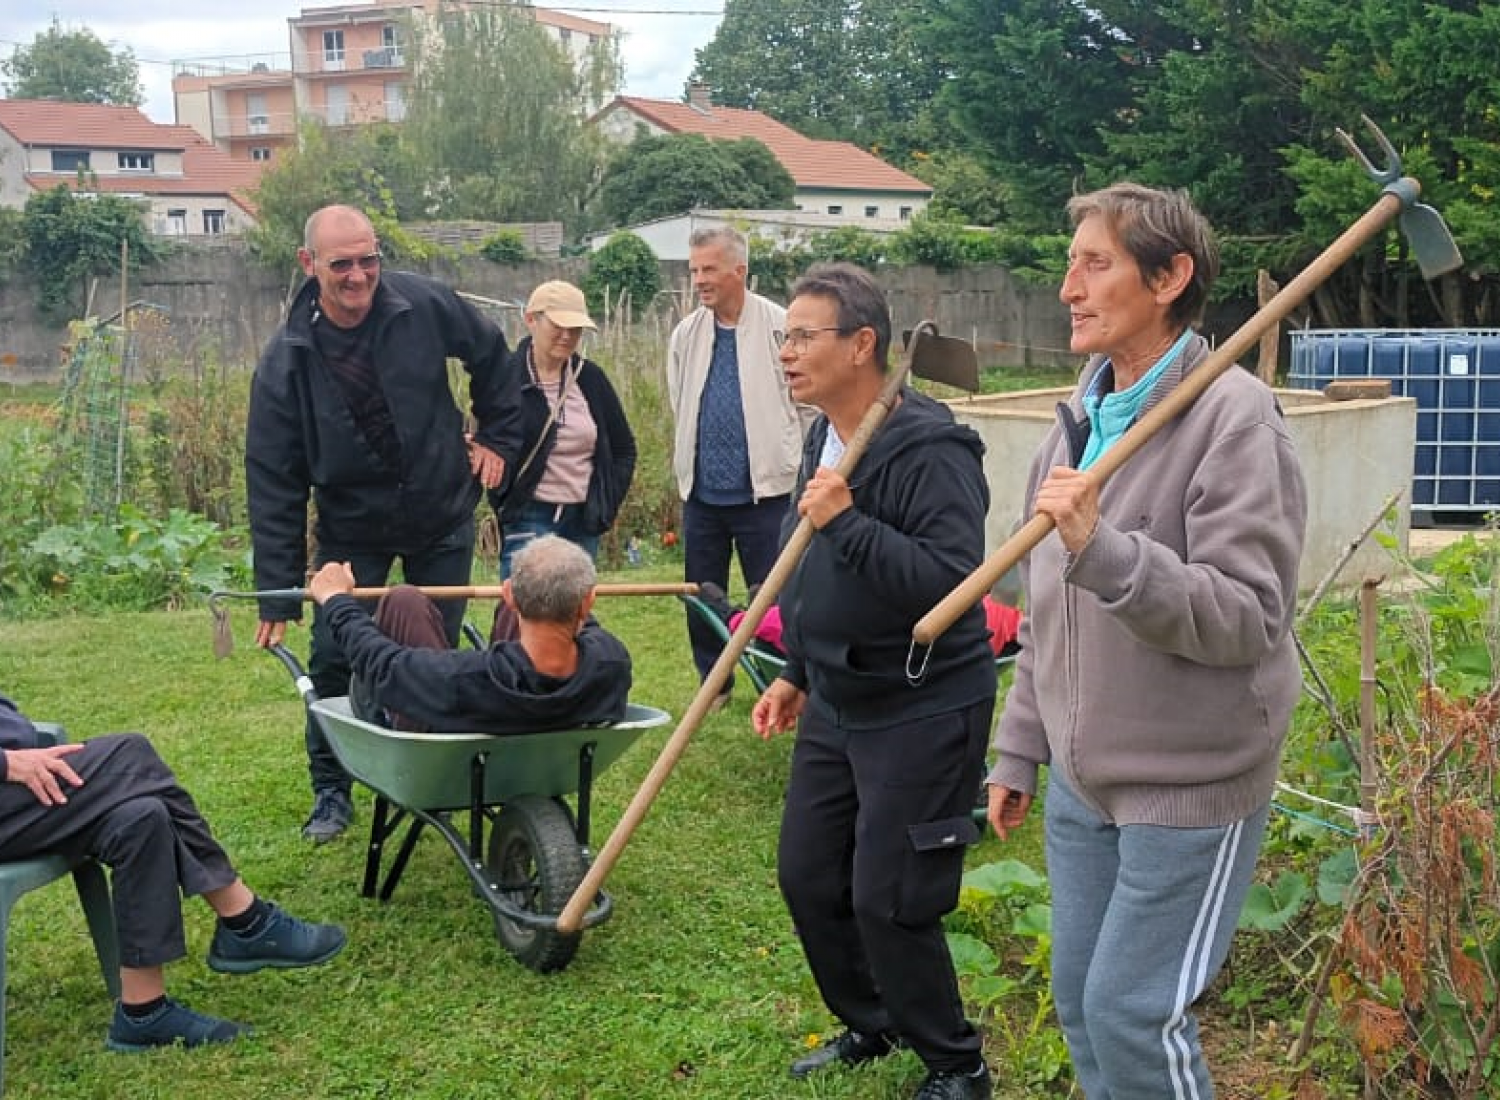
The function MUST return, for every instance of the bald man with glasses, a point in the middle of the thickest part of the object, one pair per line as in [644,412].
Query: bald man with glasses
[351,408]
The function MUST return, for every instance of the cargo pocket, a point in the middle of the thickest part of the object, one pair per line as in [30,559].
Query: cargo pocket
[933,868]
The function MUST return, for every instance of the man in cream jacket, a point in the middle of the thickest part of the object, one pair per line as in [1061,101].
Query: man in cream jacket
[738,434]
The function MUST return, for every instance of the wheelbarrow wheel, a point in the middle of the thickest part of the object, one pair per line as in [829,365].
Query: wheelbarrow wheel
[535,859]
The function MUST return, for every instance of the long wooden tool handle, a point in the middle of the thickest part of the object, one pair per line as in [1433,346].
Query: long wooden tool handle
[572,914]
[465,592]
[971,590]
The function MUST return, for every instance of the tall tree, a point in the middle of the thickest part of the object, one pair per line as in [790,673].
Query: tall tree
[496,108]
[74,66]
[849,69]
[654,177]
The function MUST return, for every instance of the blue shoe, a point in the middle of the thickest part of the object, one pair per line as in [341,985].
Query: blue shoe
[172,1024]
[331,813]
[283,941]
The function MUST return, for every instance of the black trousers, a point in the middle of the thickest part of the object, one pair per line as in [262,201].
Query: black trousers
[872,846]
[449,561]
[133,816]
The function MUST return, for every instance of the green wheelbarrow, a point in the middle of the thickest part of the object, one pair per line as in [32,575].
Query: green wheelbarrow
[525,850]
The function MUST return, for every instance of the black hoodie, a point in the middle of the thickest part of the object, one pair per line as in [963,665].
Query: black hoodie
[496,690]
[916,530]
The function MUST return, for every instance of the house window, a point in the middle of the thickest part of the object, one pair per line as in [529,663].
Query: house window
[213,223]
[338,105]
[176,222]
[564,35]
[835,209]
[137,162]
[872,211]
[69,160]
[257,115]
[395,102]
[333,51]
[390,41]
[906,213]
[260,152]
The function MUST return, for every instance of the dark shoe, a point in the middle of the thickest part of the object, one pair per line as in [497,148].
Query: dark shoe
[957,1086]
[848,1048]
[283,941]
[170,1025]
[331,813]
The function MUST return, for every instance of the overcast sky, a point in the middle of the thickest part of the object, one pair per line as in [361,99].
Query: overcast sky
[659,41]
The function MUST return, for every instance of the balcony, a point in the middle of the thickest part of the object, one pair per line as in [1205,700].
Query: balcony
[389,57]
[275,124]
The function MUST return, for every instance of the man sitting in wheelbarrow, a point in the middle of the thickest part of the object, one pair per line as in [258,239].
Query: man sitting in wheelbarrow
[564,669]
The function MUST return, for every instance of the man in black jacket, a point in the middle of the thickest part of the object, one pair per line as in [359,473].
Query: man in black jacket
[351,406]
[877,813]
[563,670]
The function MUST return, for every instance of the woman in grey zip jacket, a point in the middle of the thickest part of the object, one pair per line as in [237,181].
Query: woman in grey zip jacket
[1157,672]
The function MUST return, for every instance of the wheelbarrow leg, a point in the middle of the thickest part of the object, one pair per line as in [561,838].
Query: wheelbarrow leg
[408,843]
[378,832]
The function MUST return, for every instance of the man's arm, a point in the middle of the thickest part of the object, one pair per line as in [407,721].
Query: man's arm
[277,485]
[494,386]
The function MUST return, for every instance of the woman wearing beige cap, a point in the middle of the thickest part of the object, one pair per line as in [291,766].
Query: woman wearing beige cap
[578,453]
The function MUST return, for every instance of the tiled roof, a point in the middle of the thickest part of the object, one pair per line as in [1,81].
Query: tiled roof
[207,170]
[836,165]
[84,126]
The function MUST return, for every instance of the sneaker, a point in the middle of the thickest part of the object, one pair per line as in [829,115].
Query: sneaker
[172,1024]
[957,1086]
[848,1048]
[283,941]
[331,813]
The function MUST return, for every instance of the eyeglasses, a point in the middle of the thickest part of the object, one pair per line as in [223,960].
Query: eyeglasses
[800,338]
[345,264]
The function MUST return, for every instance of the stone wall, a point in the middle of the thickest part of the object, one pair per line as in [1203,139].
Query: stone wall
[220,303]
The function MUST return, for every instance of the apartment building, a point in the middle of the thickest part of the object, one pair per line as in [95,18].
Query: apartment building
[187,186]
[349,66]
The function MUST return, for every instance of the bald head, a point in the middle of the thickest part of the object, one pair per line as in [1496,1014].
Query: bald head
[336,218]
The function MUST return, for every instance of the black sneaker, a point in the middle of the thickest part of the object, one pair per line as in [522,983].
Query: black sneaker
[848,1048]
[172,1024]
[331,813]
[957,1086]
[283,941]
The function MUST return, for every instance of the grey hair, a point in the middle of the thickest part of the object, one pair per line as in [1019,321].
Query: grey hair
[1154,226]
[727,237]
[549,580]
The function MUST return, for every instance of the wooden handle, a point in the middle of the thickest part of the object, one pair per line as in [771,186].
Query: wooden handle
[971,590]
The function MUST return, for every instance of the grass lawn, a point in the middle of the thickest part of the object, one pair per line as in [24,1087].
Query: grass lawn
[695,988]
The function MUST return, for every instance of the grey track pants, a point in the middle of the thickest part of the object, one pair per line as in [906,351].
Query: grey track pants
[1142,917]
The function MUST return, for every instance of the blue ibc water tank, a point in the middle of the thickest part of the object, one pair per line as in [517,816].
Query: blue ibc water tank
[1454,377]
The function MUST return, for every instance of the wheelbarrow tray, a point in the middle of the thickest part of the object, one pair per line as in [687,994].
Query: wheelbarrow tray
[431,771]
[537,847]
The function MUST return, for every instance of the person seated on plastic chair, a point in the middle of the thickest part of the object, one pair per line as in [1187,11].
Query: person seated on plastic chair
[563,671]
[113,799]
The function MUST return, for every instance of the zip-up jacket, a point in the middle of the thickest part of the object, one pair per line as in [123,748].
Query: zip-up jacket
[773,426]
[1157,670]
[916,530]
[614,445]
[301,438]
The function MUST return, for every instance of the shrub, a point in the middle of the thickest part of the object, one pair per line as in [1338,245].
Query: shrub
[627,267]
[504,247]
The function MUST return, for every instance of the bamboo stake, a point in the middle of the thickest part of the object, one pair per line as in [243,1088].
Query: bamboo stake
[571,917]
[971,590]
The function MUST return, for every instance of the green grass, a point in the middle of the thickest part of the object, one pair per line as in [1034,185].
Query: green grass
[695,988]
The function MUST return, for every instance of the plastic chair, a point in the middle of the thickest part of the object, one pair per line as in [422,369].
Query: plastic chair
[19,876]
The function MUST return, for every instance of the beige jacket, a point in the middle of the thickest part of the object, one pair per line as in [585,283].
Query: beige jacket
[773,427]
